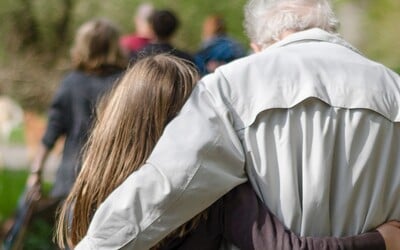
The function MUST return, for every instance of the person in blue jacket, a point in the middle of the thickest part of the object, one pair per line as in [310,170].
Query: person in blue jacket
[217,47]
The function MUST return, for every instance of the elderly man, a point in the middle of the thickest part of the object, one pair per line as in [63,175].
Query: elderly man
[308,120]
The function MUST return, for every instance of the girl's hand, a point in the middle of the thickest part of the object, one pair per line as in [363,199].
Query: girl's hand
[390,232]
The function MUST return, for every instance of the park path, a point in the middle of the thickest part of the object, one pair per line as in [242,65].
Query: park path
[19,156]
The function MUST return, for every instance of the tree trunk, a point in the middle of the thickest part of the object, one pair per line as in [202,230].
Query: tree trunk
[63,23]
[25,25]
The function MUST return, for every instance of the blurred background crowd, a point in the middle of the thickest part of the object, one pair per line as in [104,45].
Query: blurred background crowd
[36,35]
[35,52]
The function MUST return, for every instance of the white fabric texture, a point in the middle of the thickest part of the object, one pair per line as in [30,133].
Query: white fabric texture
[309,121]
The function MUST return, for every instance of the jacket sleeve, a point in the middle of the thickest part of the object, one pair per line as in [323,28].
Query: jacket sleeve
[198,159]
[249,224]
[57,116]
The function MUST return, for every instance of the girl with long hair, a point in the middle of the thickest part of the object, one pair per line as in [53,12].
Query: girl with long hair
[129,123]
[128,127]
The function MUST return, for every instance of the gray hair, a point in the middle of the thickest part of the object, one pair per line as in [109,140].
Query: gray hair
[267,20]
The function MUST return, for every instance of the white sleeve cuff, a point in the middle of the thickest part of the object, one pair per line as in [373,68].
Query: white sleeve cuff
[85,244]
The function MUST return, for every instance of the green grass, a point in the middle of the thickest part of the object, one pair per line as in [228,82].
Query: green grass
[12,184]
[40,231]
[39,236]
[17,135]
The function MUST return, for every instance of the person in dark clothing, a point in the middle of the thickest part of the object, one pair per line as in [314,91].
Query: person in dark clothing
[217,47]
[98,62]
[164,24]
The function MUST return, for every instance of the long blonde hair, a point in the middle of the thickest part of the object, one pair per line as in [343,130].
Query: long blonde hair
[128,126]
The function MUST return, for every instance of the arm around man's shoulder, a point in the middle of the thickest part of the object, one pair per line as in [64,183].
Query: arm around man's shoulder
[198,159]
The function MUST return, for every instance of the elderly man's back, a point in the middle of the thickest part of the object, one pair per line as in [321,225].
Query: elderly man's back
[308,120]
[312,123]
[319,126]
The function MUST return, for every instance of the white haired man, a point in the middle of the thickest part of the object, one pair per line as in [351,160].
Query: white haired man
[308,120]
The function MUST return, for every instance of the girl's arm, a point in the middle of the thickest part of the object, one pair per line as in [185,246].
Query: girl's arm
[249,224]
[243,220]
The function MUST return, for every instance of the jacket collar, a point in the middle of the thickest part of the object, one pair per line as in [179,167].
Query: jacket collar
[314,34]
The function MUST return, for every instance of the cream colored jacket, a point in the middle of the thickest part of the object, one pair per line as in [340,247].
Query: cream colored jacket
[312,123]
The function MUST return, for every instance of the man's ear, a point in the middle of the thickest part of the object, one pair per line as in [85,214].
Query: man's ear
[255,47]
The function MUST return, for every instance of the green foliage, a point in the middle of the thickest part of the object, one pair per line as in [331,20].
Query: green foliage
[40,231]
[397,69]
[383,32]
[12,184]
[17,135]
[39,235]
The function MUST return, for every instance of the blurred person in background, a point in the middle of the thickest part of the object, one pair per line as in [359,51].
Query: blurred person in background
[217,47]
[164,24]
[132,43]
[98,62]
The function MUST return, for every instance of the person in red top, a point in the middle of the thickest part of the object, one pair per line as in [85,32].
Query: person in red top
[132,43]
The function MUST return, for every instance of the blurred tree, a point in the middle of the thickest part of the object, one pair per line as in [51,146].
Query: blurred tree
[34,49]
[63,23]
[24,25]
[37,25]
